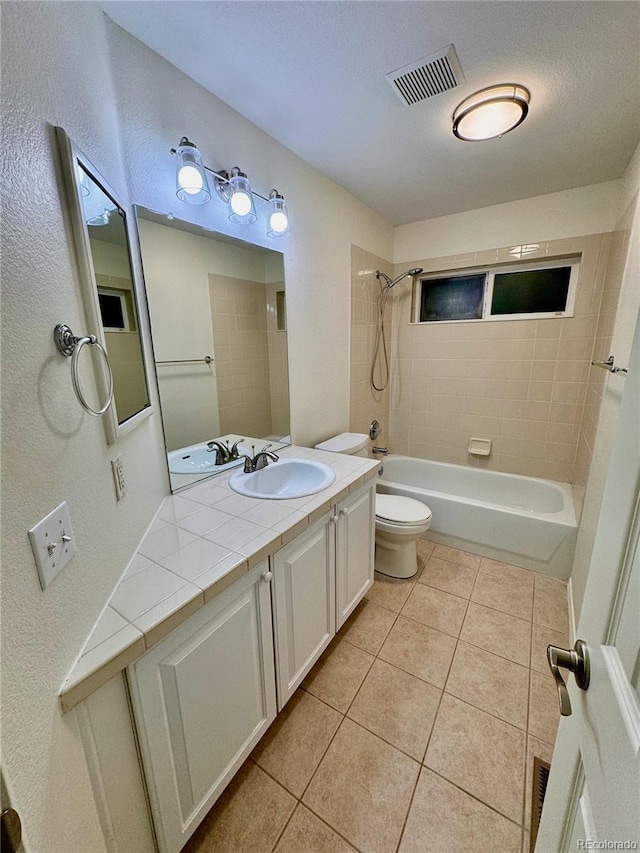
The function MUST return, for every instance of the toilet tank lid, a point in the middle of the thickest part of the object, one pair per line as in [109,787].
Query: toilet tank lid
[346,442]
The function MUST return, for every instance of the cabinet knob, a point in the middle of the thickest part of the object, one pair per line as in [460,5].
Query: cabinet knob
[334,519]
[266,577]
[344,511]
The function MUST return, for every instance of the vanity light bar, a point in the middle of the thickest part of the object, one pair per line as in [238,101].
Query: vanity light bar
[234,189]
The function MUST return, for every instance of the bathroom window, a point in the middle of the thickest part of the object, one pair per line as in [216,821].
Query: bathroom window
[114,310]
[517,292]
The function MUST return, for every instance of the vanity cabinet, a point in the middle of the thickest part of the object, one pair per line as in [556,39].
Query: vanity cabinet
[318,580]
[355,524]
[203,697]
[303,604]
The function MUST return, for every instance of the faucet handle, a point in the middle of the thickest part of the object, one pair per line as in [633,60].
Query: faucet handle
[234,449]
[266,447]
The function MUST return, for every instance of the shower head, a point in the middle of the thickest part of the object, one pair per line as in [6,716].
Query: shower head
[393,282]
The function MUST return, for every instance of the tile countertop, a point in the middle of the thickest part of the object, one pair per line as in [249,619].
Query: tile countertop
[197,545]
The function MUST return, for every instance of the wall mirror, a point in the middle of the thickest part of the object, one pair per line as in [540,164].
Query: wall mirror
[217,307]
[109,264]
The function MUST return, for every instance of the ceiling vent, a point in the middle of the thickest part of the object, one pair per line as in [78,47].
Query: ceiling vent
[439,72]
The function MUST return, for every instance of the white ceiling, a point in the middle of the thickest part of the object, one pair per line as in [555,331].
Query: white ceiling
[311,74]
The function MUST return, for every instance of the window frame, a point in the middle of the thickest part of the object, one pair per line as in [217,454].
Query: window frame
[121,295]
[489,277]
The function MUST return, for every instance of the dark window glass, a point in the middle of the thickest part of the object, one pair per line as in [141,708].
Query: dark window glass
[111,311]
[452,298]
[531,292]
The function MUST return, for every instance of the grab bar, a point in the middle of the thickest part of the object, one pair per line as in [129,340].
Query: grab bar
[609,365]
[207,360]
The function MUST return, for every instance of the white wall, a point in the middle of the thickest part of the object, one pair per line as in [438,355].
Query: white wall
[65,64]
[571,213]
[56,71]
[628,314]
[157,106]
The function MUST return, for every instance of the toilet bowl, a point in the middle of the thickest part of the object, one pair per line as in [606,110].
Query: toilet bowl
[400,521]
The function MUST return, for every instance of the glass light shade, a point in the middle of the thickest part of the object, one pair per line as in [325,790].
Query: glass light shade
[241,207]
[491,112]
[278,216]
[191,178]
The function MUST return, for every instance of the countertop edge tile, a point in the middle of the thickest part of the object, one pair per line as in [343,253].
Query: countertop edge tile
[97,664]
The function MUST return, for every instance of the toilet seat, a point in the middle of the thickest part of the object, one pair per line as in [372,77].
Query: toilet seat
[401,511]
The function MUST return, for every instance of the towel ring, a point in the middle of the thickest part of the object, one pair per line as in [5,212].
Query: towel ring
[69,345]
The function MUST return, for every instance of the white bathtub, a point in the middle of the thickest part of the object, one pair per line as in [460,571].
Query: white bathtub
[519,520]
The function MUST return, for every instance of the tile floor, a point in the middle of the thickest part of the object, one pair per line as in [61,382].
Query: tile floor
[416,730]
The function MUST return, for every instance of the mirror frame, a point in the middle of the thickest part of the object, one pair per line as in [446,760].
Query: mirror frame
[70,155]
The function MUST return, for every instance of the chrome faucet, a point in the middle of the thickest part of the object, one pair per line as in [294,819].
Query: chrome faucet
[224,453]
[260,460]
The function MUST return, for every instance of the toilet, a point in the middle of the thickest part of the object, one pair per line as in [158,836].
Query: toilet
[400,521]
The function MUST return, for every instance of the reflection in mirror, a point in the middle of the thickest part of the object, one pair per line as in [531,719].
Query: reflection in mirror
[218,320]
[106,249]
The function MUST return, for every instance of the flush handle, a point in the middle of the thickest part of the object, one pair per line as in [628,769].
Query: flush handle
[576,660]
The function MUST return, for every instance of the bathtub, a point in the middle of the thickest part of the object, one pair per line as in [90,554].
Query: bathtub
[519,520]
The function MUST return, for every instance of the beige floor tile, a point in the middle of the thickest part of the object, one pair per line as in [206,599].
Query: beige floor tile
[541,638]
[549,584]
[363,788]
[449,577]
[514,573]
[480,754]
[396,706]
[424,549]
[491,683]
[544,710]
[497,632]
[368,626]
[550,609]
[453,555]
[249,816]
[443,819]
[292,748]
[390,592]
[539,748]
[338,674]
[305,833]
[437,609]
[503,590]
[420,650]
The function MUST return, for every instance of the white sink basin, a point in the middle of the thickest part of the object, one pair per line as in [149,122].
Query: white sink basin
[197,459]
[287,478]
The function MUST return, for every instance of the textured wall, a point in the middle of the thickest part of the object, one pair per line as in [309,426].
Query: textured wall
[67,64]
[627,315]
[157,105]
[56,71]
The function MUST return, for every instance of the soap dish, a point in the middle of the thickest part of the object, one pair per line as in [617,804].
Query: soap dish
[480,446]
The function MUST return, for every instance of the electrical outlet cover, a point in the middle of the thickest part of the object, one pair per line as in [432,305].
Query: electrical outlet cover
[53,543]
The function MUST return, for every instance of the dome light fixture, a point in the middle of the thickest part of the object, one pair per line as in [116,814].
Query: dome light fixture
[491,112]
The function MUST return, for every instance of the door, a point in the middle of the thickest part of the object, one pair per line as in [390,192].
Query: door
[203,697]
[355,550]
[593,795]
[304,604]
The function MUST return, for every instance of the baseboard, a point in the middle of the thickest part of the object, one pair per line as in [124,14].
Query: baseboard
[572,614]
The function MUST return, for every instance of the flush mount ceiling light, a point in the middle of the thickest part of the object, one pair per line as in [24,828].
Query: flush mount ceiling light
[491,112]
[232,188]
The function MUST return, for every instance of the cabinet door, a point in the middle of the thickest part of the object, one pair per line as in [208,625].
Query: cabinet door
[304,602]
[202,699]
[355,549]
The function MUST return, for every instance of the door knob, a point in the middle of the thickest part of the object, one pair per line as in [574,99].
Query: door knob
[11,830]
[576,660]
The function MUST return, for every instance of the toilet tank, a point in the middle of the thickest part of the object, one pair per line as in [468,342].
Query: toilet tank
[352,443]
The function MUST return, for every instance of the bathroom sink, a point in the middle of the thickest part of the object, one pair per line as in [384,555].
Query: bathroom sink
[197,459]
[287,478]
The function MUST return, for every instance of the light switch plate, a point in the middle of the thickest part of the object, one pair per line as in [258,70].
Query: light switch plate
[118,476]
[53,543]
